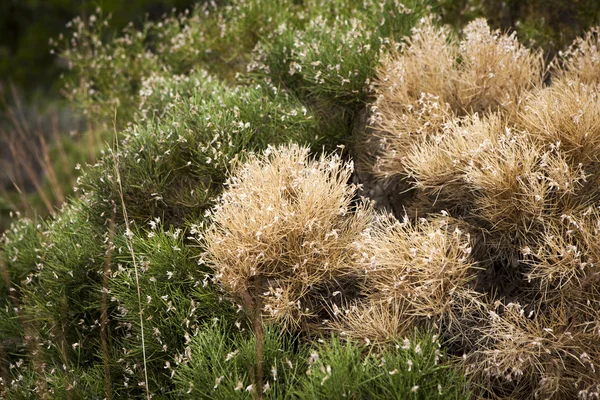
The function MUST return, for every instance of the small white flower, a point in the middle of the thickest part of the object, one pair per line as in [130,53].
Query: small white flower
[231,355]
[218,381]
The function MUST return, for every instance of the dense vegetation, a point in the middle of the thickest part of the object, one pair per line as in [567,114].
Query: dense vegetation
[225,245]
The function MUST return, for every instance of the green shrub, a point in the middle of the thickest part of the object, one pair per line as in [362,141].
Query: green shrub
[172,165]
[408,369]
[220,358]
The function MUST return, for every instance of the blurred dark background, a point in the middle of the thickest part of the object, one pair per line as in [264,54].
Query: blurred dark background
[27,25]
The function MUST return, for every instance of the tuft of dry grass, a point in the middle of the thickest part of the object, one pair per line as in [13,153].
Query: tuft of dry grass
[415,90]
[416,273]
[581,61]
[567,115]
[495,70]
[537,353]
[514,166]
[34,161]
[287,233]
[433,79]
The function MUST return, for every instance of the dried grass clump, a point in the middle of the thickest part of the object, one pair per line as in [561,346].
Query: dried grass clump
[498,179]
[437,166]
[416,274]
[538,353]
[522,179]
[415,92]
[566,114]
[494,70]
[581,61]
[433,79]
[285,234]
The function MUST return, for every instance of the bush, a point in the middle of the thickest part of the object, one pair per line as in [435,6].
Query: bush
[285,233]
[523,185]
[411,368]
[225,229]
[486,72]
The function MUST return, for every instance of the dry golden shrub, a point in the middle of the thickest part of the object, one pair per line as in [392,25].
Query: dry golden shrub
[537,353]
[494,177]
[437,165]
[420,264]
[495,70]
[566,114]
[581,61]
[415,272]
[373,321]
[414,93]
[433,79]
[515,166]
[287,233]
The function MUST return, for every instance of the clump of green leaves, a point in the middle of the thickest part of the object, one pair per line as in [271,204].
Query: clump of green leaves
[174,161]
[408,368]
[217,365]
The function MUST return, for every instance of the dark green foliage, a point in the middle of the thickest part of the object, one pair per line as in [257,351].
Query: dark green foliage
[19,261]
[26,26]
[217,365]
[20,252]
[177,300]
[548,24]
[334,55]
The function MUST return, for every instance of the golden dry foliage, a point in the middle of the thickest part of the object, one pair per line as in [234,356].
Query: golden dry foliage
[566,114]
[416,275]
[515,166]
[581,61]
[418,264]
[527,353]
[415,90]
[496,178]
[286,233]
[495,70]
[437,165]
[433,79]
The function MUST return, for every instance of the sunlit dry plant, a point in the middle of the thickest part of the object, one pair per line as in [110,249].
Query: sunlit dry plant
[372,320]
[564,260]
[286,233]
[518,186]
[413,272]
[522,175]
[497,178]
[494,70]
[415,90]
[433,79]
[581,61]
[566,114]
[437,165]
[537,353]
